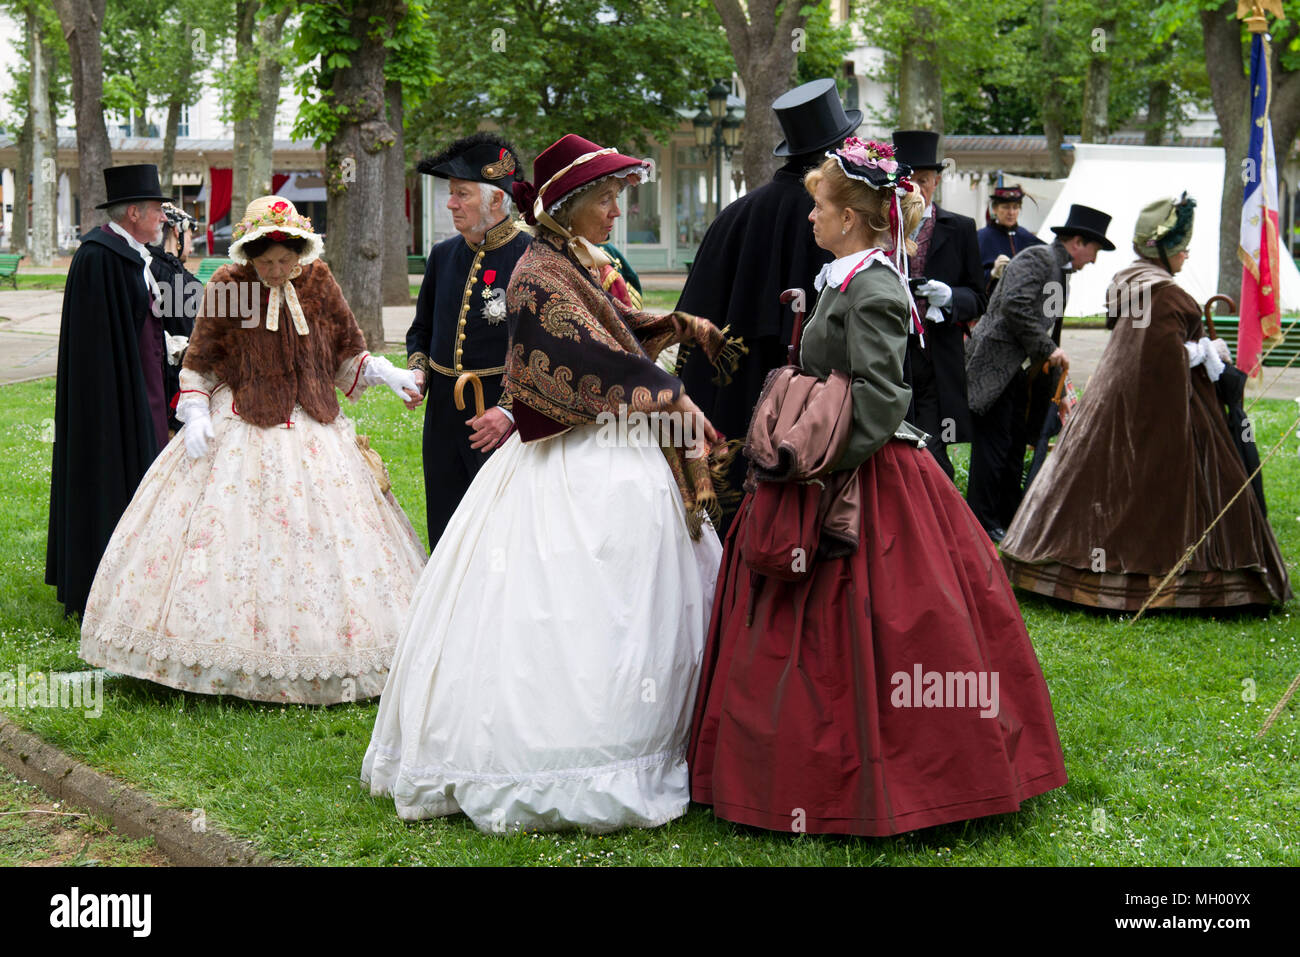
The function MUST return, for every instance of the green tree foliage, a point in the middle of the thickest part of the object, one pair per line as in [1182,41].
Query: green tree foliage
[993,75]
[615,71]
[15,101]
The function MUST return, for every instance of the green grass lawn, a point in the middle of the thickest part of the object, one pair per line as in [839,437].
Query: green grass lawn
[1159,738]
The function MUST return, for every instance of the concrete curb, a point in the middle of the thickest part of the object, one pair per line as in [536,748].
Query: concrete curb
[132,812]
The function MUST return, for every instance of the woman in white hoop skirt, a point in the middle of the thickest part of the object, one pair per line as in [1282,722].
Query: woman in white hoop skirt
[547,672]
[262,555]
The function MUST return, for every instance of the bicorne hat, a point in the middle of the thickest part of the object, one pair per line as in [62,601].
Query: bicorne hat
[480,158]
[566,166]
[132,184]
[812,118]
[919,149]
[1086,222]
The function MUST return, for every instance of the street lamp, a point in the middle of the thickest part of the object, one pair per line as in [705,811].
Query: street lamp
[717,131]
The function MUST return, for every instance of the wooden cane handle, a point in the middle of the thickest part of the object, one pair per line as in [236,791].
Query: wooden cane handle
[459,393]
[1209,310]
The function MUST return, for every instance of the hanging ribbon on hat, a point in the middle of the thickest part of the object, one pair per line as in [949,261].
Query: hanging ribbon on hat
[291,300]
[900,257]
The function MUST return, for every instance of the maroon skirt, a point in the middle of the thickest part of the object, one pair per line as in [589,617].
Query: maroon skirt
[890,690]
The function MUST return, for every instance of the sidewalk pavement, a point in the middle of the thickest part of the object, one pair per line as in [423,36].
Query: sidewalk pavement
[29,341]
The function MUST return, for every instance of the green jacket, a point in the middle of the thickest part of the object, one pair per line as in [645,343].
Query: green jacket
[863,332]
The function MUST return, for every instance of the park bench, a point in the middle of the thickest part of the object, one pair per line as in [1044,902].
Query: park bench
[9,268]
[415,265]
[1226,327]
[209,266]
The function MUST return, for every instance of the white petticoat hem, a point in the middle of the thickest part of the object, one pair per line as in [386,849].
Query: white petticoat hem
[646,791]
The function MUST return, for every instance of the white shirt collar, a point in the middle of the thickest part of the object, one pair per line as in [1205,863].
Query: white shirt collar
[834,273]
[146,257]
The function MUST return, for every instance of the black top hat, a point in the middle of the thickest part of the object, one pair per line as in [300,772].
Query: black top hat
[812,118]
[129,184]
[1007,194]
[1086,222]
[480,158]
[919,149]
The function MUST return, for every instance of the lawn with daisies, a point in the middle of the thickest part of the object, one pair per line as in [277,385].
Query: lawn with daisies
[1158,721]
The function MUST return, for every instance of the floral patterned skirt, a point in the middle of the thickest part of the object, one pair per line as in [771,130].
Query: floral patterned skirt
[272,568]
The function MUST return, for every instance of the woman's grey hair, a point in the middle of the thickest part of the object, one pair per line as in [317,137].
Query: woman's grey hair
[486,192]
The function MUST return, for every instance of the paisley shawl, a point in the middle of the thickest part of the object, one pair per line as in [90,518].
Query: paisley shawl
[576,353]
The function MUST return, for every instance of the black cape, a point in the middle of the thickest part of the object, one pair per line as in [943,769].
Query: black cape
[104,436]
[759,246]
[182,294]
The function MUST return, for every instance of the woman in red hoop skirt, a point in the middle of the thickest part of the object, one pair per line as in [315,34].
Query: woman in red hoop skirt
[895,688]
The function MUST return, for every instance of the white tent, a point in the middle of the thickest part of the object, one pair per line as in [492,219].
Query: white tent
[1120,180]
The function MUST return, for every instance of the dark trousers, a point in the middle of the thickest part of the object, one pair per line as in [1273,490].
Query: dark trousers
[449,463]
[997,458]
[924,412]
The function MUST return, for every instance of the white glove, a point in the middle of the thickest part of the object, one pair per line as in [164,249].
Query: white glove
[378,369]
[999,266]
[176,346]
[1202,352]
[938,293]
[934,313]
[1221,348]
[198,426]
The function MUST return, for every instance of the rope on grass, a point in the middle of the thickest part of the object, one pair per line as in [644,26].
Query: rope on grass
[1182,562]
[63,813]
[1277,708]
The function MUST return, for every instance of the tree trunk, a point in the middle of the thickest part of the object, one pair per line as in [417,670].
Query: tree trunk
[356,159]
[397,229]
[269,67]
[1053,105]
[167,165]
[22,177]
[82,21]
[764,49]
[1157,112]
[1096,87]
[243,108]
[44,147]
[141,125]
[920,96]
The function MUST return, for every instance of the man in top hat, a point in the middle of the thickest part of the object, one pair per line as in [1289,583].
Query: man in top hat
[1018,333]
[759,246]
[460,318]
[110,411]
[1003,237]
[949,290]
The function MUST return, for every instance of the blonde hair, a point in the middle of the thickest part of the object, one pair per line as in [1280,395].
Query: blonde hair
[871,205]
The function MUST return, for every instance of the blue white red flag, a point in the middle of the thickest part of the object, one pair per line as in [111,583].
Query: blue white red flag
[1258,249]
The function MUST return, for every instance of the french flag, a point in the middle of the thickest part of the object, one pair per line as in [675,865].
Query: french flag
[1261,317]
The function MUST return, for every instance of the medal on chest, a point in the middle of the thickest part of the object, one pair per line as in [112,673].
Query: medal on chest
[494,300]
